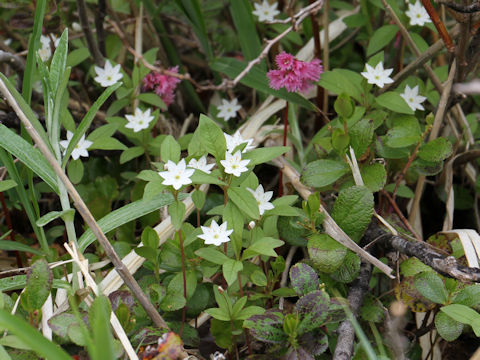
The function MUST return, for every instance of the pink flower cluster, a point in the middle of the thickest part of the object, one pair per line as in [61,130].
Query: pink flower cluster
[163,85]
[294,74]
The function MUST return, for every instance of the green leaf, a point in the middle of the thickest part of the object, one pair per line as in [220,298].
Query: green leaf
[241,12]
[326,253]
[201,177]
[402,191]
[405,132]
[150,238]
[7,184]
[436,150]
[262,155]
[99,319]
[32,337]
[344,106]
[361,136]
[230,270]
[170,149]
[374,176]
[77,56]
[176,210]
[245,201]
[250,311]
[218,314]
[235,221]
[131,153]
[152,99]
[212,255]
[393,101]
[39,284]
[176,284]
[258,278]
[87,120]
[313,310]
[461,313]
[267,327]
[353,210]
[256,78]
[448,328]
[381,38]
[323,172]
[59,61]
[198,198]
[303,279]
[125,214]
[340,140]
[52,215]
[7,245]
[148,253]
[75,171]
[29,155]
[107,143]
[263,246]
[348,270]
[431,286]
[173,301]
[210,136]
[340,81]
[468,296]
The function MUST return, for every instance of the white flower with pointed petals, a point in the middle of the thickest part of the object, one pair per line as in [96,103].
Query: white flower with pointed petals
[215,234]
[236,139]
[412,98]
[417,14]
[228,109]
[140,120]
[266,12]
[377,75]
[234,164]
[262,198]
[45,52]
[176,175]
[201,164]
[80,149]
[109,75]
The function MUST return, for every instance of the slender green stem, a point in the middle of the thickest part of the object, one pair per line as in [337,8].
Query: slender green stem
[184,310]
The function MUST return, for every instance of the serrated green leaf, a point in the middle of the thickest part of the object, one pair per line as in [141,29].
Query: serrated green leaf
[326,253]
[348,270]
[405,132]
[448,328]
[374,176]
[39,284]
[353,210]
[431,286]
[412,266]
[361,136]
[303,279]
[436,150]
[323,172]
[267,327]
[468,296]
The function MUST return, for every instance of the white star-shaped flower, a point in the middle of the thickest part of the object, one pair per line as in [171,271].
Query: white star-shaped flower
[412,98]
[80,149]
[139,120]
[176,175]
[76,27]
[45,52]
[201,164]
[262,198]
[377,75]
[215,234]
[228,109]
[109,75]
[417,14]
[234,164]
[266,12]
[236,139]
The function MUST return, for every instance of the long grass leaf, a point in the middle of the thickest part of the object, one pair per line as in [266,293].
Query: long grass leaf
[33,46]
[125,214]
[32,337]
[87,120]
[29,155]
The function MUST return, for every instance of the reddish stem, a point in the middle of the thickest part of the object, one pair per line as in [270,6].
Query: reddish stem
[439,25]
